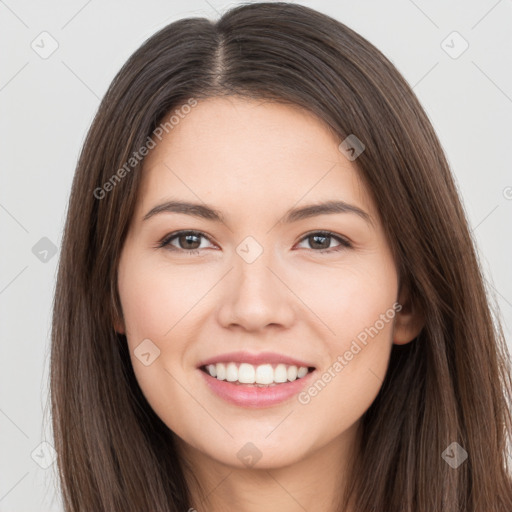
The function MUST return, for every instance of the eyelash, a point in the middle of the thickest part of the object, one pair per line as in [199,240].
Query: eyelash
[165,243]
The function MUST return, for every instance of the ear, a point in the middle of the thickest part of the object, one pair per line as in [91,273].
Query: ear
[408,321]
[119,327]
[118,323]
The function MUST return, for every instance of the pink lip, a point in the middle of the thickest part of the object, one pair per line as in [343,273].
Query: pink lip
[255,359]
[245,395]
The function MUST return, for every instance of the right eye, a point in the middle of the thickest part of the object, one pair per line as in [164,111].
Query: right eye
[185,238]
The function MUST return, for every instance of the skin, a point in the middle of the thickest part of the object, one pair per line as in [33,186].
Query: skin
[253,161]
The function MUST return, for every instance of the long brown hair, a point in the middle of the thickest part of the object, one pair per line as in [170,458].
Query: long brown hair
[450,384]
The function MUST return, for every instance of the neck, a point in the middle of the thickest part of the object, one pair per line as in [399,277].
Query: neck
[314,483]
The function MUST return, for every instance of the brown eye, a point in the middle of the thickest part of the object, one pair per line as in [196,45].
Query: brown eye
[187,241]
[320,241]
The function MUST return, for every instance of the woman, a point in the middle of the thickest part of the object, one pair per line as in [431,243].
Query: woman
[256,369]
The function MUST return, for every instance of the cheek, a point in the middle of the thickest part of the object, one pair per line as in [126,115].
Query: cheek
[365,331]
[155,301]
[350,381]
[348,297]
[357,305]
[155,298]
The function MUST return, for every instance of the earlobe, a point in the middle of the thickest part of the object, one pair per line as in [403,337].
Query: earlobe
[116,315]
[118,324]
[118,328]
[409,322]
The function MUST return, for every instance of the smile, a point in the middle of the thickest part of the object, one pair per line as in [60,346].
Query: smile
[260,375]
[255,379]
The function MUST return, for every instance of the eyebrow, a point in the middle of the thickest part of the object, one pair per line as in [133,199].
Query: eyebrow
[293,215]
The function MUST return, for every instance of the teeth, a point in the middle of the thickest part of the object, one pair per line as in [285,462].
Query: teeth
[264,374]
[281,374]
[292,373]
[246,374]
[231,372]
[301,372]
[220,371]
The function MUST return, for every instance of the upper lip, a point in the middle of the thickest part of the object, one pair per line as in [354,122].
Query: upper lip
[255,359]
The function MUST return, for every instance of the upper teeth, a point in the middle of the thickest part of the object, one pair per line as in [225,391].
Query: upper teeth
[246,373]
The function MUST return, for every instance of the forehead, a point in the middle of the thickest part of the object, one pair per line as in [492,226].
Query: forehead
[237,152]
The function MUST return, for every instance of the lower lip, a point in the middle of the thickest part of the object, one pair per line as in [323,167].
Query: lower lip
[254,396]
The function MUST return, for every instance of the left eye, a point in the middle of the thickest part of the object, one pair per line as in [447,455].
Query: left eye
[188,241]
[323,238]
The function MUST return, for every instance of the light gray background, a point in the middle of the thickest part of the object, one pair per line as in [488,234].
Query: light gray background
[48,104]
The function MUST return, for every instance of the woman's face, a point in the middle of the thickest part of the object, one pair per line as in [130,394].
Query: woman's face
[263,289]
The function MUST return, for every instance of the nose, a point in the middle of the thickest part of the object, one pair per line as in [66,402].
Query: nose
[257,295]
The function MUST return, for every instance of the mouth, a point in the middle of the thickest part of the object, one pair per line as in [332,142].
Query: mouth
[256,386]
[262,376]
